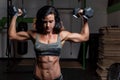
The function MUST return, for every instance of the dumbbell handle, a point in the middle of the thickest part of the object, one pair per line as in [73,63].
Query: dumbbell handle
[18,12]
[86,13]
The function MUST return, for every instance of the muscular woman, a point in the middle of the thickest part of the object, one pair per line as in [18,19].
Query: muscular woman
[48,37]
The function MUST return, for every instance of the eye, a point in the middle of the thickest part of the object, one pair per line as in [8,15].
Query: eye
[51,21]
[44,21]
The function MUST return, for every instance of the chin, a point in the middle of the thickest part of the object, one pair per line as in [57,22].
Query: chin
[49,31]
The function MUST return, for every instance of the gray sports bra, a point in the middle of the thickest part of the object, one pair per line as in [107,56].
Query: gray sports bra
[47,49]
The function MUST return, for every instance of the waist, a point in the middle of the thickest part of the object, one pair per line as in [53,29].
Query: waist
[59,78]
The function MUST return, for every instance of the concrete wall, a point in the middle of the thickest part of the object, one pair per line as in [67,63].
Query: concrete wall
[114,19]
[70,50]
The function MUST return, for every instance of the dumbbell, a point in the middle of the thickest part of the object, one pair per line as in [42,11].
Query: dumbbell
[87,12]
[13,10]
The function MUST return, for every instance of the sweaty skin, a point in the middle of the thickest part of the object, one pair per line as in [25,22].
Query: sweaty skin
[47,67]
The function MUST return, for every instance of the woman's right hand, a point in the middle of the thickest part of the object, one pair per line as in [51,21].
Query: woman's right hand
[19,13]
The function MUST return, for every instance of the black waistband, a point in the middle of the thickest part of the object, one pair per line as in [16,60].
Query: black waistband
[47,53]
[59,78]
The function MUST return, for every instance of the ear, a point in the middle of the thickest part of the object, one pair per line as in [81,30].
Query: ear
[62,25]
[34,23]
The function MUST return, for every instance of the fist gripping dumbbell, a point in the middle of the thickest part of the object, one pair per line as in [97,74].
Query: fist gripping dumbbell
[13,10]
[86,13]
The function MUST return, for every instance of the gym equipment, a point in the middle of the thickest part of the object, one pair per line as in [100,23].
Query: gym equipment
[22,46]
[114,72]
[13,10]
[87,13]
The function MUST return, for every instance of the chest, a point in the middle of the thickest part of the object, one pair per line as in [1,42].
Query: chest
[47,39]
[45,44]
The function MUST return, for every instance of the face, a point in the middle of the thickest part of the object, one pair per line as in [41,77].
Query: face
[49,23]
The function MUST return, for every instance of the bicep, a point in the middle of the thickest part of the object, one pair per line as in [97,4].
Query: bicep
[75,37]
[68,36]
[22,35]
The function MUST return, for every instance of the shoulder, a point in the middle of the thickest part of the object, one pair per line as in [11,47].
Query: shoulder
[32,33]
[64,34]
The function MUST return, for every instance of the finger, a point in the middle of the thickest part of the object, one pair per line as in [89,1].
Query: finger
[20,11]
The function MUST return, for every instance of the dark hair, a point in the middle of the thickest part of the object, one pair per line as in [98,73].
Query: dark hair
[42,13]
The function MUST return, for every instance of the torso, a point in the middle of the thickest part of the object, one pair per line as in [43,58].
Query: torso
[47,67]
[50,48]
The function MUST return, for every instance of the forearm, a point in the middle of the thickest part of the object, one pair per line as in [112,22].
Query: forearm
[12,28]
[85,30]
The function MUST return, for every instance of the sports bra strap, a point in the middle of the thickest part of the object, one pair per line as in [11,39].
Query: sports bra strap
[37,37]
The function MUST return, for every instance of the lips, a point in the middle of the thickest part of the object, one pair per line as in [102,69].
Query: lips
[48,30]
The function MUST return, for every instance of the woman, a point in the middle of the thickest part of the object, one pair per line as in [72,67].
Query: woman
[48,39]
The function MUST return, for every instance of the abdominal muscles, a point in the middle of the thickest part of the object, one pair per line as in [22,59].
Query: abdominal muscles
[47,67]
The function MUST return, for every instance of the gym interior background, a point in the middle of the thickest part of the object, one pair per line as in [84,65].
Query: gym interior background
[106,14]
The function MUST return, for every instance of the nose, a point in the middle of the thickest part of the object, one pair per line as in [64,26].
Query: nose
[47,24]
